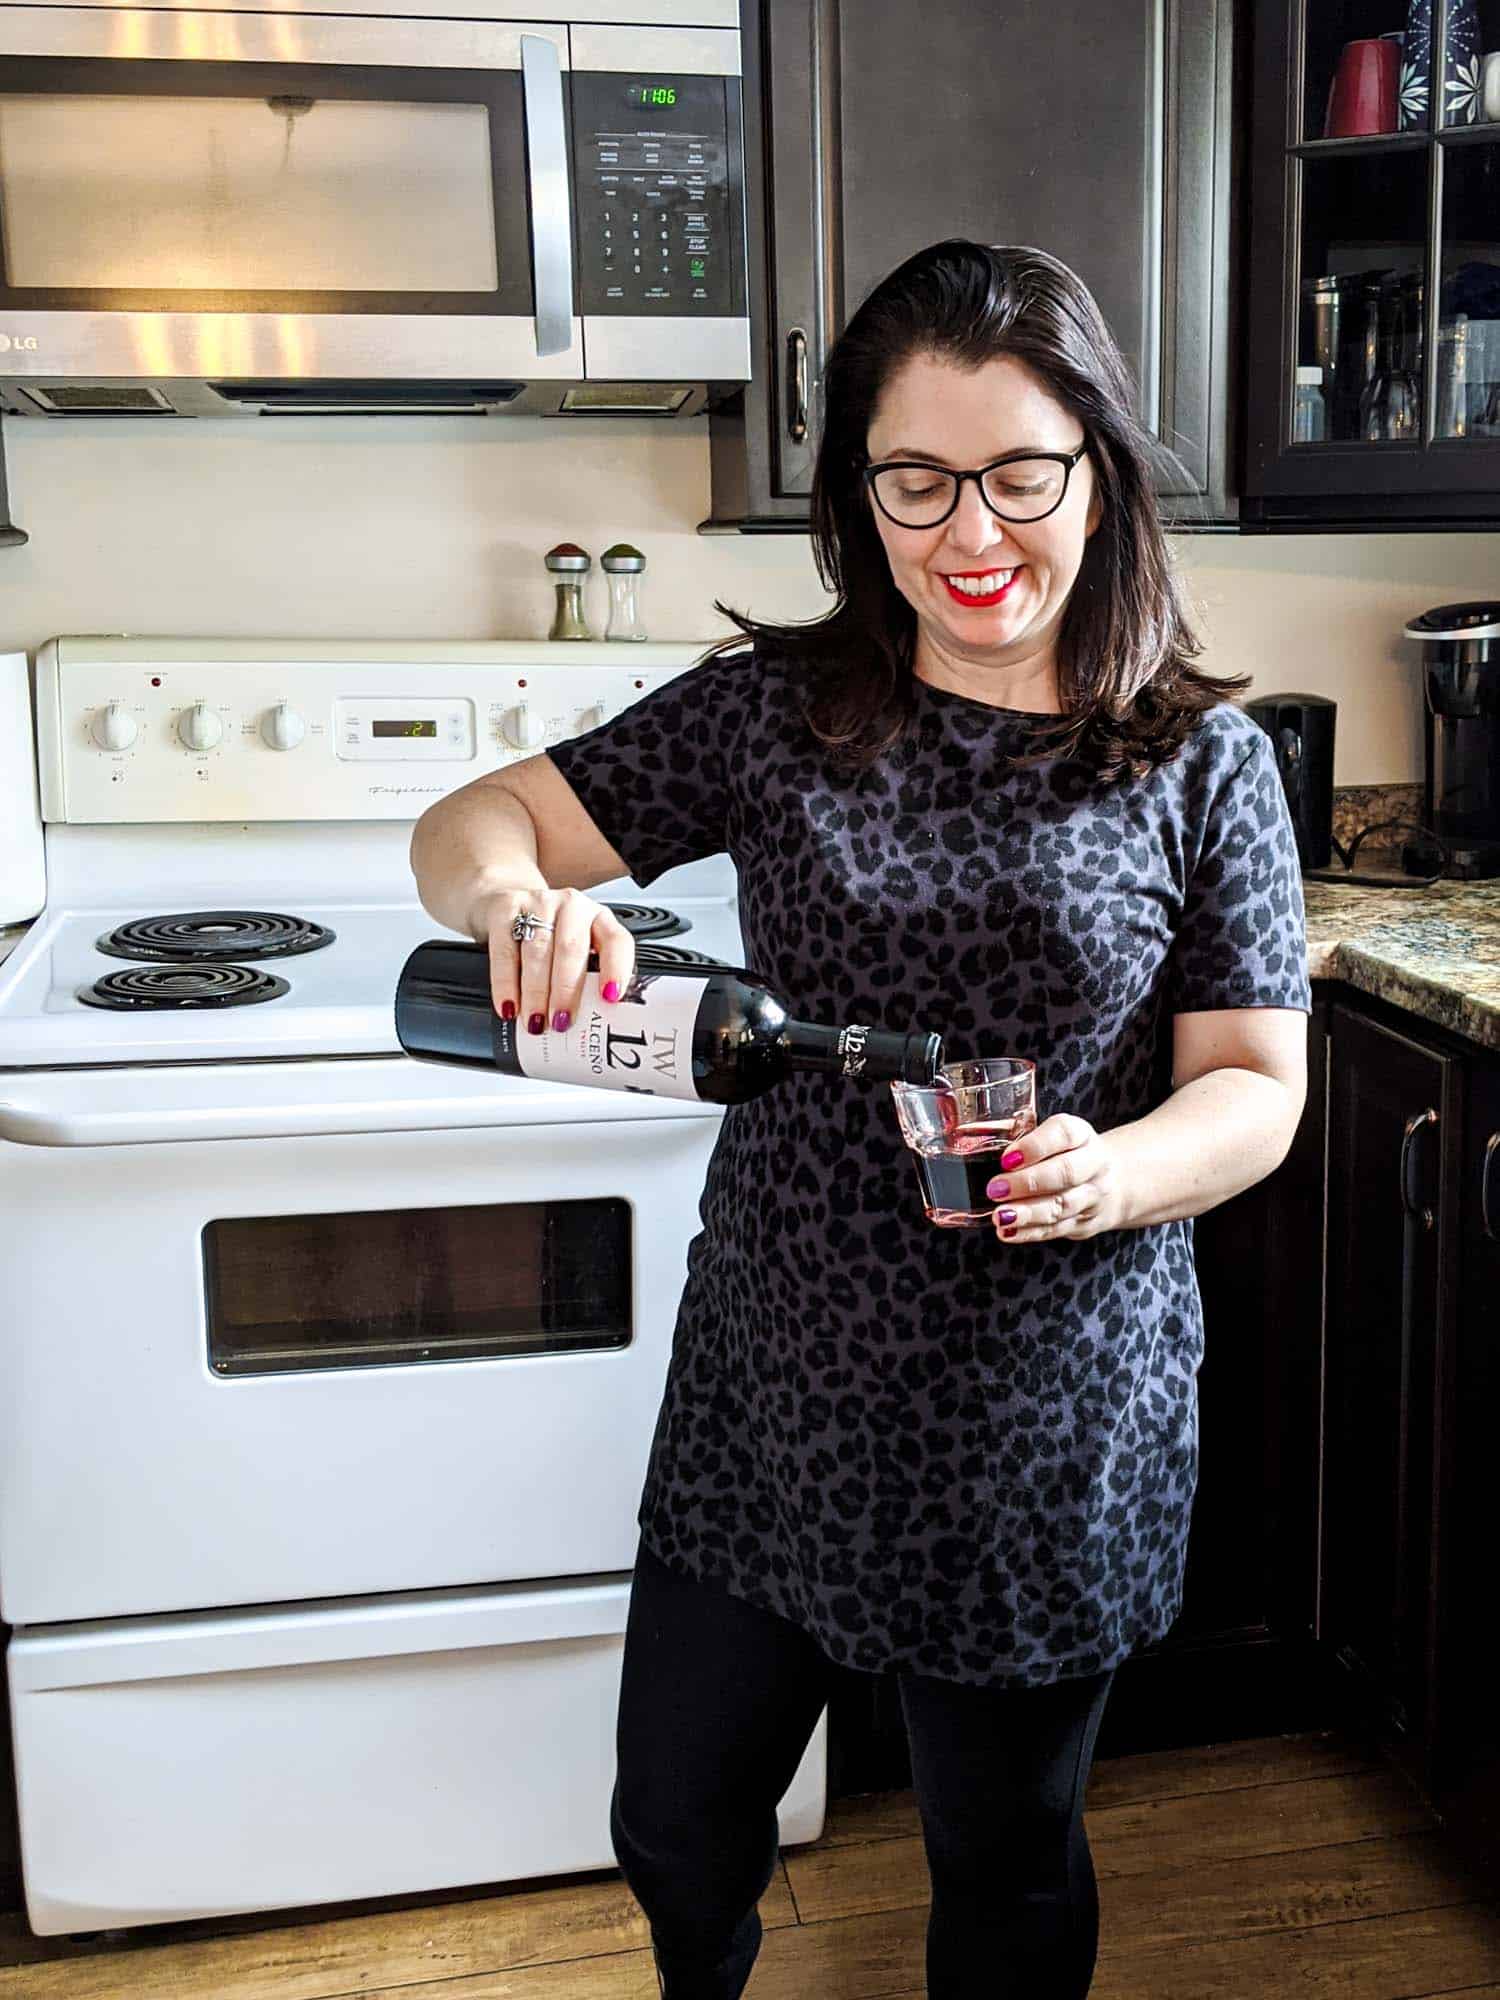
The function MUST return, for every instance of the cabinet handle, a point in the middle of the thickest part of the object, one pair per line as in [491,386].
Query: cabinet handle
[1489,1173]
[796,385]
[1415,1124]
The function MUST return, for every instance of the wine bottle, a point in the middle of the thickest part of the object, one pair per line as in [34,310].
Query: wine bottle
[712,1033]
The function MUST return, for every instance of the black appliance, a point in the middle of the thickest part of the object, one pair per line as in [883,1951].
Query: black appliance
[1300,727]
[1461,686]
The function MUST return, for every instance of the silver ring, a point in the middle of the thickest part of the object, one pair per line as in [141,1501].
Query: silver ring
[527,926]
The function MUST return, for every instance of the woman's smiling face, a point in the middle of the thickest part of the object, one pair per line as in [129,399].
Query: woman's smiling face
[962,418]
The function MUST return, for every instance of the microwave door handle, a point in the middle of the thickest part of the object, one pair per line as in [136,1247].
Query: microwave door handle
[548,190]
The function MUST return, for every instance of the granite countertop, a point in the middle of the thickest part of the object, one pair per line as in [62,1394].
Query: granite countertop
[1434,951]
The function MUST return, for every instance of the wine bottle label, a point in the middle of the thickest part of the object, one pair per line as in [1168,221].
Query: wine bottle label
[643,1041]
[852,1048]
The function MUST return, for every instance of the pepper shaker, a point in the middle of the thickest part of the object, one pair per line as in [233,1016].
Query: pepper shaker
[624,566]
[569,566]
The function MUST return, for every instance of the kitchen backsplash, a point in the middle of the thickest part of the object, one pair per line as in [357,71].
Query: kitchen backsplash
[402,527]
[1358,806]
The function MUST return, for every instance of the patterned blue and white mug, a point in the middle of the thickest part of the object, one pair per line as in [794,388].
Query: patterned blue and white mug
[1463,71]
[1416,64]
[1462,94]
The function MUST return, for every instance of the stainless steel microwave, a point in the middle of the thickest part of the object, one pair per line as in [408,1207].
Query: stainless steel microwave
[279,212]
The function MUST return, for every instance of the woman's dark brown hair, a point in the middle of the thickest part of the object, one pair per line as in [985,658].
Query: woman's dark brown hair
[1130,692]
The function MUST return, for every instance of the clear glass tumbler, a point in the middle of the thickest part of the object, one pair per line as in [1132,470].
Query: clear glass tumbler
[957,1129]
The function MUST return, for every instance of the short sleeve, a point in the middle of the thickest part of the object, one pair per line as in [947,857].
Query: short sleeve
[1242,940]
[654,778]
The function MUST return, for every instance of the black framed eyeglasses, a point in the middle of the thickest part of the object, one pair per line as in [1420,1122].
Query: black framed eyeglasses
[1023,486]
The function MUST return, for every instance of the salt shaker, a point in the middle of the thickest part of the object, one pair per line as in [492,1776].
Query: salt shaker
[623,565]
[569,566]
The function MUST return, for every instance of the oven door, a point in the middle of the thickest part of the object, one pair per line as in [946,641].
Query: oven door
[241,199]
[422,1347]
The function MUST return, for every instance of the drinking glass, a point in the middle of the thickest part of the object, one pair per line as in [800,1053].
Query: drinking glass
[1391,406]
[958,1127]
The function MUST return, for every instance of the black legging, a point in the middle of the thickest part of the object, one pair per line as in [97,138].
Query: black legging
[717,1702]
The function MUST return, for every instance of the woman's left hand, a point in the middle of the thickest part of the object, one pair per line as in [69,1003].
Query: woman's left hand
[1064,1184]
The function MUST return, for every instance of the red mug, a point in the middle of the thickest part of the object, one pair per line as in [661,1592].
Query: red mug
[1364,93]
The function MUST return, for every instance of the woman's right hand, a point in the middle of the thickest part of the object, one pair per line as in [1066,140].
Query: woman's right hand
[542,981]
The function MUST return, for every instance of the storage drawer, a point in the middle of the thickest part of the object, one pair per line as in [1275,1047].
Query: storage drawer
[209,1763]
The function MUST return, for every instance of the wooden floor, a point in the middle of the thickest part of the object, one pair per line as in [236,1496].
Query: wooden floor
[1288,1868]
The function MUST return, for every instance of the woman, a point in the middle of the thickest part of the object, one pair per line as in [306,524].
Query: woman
[988,794]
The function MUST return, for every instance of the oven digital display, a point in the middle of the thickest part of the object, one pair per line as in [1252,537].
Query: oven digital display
[404,725]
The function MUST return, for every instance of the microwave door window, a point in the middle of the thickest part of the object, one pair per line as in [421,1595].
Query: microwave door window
[288,193]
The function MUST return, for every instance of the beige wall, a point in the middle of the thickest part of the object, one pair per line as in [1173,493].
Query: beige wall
[415,527]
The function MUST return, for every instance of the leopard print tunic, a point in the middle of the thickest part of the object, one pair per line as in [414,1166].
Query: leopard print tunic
[931,1450]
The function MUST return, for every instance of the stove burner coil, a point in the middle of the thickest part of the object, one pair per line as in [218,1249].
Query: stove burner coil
[649,920]
[158,988]
[195,935]
[653,957]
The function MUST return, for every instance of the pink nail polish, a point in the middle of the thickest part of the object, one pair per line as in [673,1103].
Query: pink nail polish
[1014,1158]
[507,1010]
[560,1021]
[535,1024]
[1007,1215]
[611,989]
[998,1190]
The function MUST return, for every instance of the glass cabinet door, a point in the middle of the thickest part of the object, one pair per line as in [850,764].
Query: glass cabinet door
[1360,362]
[1373,307]
[1362,170]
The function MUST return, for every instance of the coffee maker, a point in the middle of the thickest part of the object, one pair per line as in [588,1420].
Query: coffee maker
[1300,727]
[1461,684]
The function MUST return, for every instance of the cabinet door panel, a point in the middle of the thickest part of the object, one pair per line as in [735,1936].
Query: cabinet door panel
[1251,1567]
[798,86]
[1392,1108]
[1467,1781]
[1100,134]
[1005,127]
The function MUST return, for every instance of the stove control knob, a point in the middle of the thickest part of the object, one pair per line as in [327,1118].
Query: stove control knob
[113,729]
[198,728]
[523,728]
[281,727]
[591,717]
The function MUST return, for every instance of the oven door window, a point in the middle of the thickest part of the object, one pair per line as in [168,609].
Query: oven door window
[389,1288]
[265,188]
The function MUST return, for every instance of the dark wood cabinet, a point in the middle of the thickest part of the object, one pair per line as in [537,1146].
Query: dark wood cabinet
[1100,134]
[1240,1660]
[1395,1113]
[1373,324]
[1466,1774]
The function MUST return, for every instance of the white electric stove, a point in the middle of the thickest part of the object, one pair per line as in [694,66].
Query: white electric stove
[329,1377]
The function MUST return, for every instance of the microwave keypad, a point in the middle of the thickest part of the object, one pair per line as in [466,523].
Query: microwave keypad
[653,196]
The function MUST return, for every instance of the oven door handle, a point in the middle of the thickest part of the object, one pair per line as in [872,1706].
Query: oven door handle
[550,196]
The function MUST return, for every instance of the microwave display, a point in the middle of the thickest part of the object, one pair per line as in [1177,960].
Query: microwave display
[653,176]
